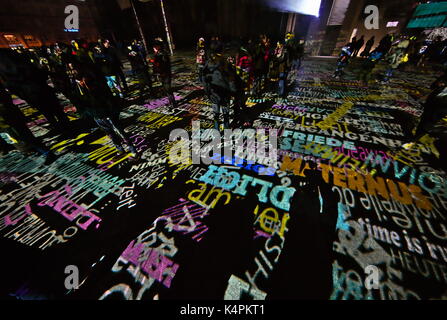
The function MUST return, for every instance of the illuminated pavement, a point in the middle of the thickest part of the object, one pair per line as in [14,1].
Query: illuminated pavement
[150,229]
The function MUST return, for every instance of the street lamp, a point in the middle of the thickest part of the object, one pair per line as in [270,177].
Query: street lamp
[168,33]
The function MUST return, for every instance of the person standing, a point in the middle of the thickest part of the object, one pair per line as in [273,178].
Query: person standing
[162,68]
[105,64]
[97,102]
[220,85]
[239,97]
[260,66]
[140,69]
[282,63]
[14,129]
[216,45]
[352,44]
[368,66]
[343,60]
[244,67]
[296,52]
[435,109]
[368,46]
[58,73]
[117,65]
[200,58]
[385,44]
[23,79]
[358,45]
[395,58]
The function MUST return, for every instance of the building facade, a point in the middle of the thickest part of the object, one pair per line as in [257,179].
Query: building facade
[346,19]
[32,23]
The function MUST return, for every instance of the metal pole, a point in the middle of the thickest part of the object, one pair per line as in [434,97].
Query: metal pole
[168,36]
[139,27]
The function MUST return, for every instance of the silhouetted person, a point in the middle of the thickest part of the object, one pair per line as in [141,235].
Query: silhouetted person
[58,73]
[115,60]
[219,86]
[368,46]
[23,79]
[140,69]
[13,123]
[358,45]
[162,68]
[385,44]
[260,66]
[97,102]
[435,109]
[304,269]
[216,45]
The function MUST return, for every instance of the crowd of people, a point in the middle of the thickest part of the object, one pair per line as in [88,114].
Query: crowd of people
[90,75]
[255,68]
[395,52]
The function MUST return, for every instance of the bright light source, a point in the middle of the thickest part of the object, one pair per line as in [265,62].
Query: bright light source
[392,24]
[310,7]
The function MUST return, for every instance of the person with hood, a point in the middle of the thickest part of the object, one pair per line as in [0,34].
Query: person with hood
[29,83]
[220,86]
[98,103]
[14,130]
[200,58]
[368,46]
[162,68]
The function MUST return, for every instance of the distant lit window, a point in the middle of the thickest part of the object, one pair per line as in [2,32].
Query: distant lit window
[12,39]
[392,24]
